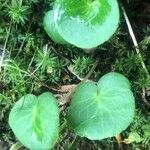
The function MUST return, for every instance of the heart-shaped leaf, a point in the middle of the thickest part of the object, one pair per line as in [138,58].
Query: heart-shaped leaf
[35,121]
[83,23]
[104,109]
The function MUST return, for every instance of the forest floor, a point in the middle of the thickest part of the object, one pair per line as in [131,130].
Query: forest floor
[25,45]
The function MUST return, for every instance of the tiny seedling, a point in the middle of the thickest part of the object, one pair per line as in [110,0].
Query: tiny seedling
[97,111]
[83,23]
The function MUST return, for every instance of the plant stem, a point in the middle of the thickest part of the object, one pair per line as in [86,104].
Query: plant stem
[73,143]
[45,53]
[16,146]
[70,94]
[134,41]
[91,71]
[63,126]
[60,55]
[4,48]
[119,141]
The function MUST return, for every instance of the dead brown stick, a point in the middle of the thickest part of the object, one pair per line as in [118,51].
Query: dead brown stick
[119,141]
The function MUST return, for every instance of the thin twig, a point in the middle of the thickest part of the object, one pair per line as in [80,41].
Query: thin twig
[16,146]
[60,55]
[73,143]
[45,53]
[31,61]
[144,97]
[20,49]
[119,141]
[63,126]
[137,50]
[70,68]
[4,49]
[91,71]
[134,41]
[70,94]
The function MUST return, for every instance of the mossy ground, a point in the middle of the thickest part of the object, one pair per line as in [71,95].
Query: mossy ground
[33,64]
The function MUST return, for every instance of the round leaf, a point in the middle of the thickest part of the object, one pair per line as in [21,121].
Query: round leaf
[104,109]
[49,26]
[35,121]
[86,23]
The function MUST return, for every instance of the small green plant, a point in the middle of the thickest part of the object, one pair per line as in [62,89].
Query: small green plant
[17,11]
[83,23]
[35,121]
[97,111]
[104,109]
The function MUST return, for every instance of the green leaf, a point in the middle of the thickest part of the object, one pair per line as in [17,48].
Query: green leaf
[49,26]
[104,109]
[86,23]
[35,121]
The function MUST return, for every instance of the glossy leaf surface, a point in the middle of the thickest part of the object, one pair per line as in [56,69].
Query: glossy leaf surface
[104,109]
[50,28]
[86,23]
[35,121]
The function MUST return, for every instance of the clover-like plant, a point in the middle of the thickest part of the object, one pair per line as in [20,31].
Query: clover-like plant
[83,23]
[97,111]
[104,109]
[35,121]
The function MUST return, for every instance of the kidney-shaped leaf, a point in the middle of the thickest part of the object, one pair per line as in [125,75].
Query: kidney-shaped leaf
[35,121]
[104,109]
[86,23]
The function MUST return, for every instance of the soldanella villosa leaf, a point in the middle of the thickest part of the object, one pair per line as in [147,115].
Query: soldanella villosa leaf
[102,110]
[50,28]
[35,121]
[83,23]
